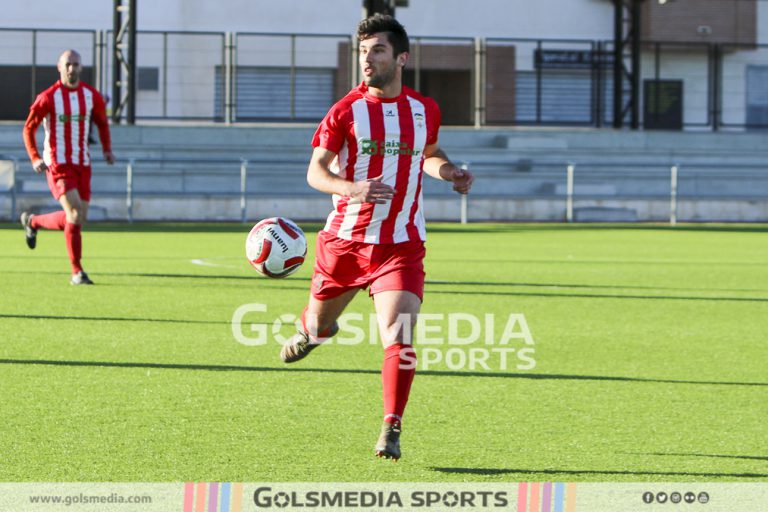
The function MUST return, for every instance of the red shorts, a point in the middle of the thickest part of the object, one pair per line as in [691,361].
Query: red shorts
[342,265]
[65,177]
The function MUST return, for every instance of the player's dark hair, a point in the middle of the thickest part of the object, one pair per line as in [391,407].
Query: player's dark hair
[396,34]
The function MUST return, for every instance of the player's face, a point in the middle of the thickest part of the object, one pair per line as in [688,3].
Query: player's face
[69,68]
[378,63]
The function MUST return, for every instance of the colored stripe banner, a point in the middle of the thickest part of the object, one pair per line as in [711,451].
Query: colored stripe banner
[213,497]
[420,496]
[538,497]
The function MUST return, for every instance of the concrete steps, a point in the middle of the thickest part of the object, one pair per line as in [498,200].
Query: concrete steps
[513,162]
[290,144]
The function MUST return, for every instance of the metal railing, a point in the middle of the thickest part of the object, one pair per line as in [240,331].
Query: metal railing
[9,169]
[184,61]
[236,178]
[566,189]
[28,57]
[304,74]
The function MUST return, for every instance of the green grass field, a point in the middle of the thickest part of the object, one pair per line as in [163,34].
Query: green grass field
[650,350]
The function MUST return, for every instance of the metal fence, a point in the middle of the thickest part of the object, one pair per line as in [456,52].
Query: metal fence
[295,77]
[177,76]
[236,77]
[231,189]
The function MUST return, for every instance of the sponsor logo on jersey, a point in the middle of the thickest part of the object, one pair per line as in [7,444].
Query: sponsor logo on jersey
[387,147]
[64,118]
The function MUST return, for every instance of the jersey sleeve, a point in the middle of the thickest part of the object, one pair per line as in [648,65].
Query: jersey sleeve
[99,116]
[434,119]
[37,112]
[331,133]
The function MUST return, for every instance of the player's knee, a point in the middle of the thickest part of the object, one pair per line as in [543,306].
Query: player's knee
[399,331]
[75,216]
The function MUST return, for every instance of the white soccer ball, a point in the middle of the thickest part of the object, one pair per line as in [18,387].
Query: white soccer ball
[276,247]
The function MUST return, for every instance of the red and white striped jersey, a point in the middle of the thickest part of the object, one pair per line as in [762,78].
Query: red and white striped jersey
[66,115]
[379,137]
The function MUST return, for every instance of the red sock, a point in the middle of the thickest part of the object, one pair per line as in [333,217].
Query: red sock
[55,220]
[74,245]
[396,378]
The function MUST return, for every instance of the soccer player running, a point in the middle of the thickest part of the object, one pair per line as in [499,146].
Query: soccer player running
[370,152]
[66,110]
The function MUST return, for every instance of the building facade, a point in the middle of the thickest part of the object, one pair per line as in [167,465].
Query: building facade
[490,62]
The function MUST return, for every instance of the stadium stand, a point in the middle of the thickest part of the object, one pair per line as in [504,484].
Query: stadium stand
[195,173]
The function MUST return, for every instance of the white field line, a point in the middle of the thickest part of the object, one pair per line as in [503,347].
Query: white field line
[206,262]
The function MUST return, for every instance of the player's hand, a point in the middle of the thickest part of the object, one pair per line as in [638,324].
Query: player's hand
[372,191]
[39,166]
[109,157]
[462,180]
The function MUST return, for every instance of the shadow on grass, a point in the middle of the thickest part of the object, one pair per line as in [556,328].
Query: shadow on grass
[119,319]
[705,455]
[438,282]
[283,284]
[251,276]
[564,261]
[587,472]
[431,373]
[601,296]
[258,281]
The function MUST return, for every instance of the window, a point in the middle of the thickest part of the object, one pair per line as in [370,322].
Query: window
[757,96]
[264,93]
[148,79]
[565,96]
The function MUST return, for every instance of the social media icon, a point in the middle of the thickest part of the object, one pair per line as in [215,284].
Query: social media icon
[648,497]
[661,497]
[675,497]
[703,497]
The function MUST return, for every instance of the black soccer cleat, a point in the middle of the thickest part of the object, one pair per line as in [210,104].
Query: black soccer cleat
[29,233]
[300,345]
[388,445]
[80,278]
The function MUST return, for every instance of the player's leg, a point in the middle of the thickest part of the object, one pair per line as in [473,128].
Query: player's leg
[339,274]
[318,322]
[57,183]
[397,312]
[84,212]
[30,233]
[397,288]
[76,211]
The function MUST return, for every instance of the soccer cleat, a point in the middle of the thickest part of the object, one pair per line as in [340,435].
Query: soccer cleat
[80,278]
[29,233]
[300,345]
[388,445]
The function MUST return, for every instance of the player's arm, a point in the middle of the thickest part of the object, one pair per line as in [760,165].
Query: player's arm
[320,177]
[99,116]
[30,143]
[437,165]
